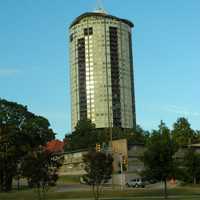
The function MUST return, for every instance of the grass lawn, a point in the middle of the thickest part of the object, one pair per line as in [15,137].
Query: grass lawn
[68,179]
[182,193]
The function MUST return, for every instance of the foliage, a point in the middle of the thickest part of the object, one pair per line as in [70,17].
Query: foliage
[98,167]
[20,132]
[159,159]
[139,136]
[55,146]
[191,164]
[86,135]
[40,168]
[82,137]
[182,132]
[7,160]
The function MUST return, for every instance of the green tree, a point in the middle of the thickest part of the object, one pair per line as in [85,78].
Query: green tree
[82,137]
[197,136]
[191,164]
[182,132]
[85,135]
[138,136]
[7,160]
[159,159]
[20,132]
[40,167]
[98,167]
[133,136]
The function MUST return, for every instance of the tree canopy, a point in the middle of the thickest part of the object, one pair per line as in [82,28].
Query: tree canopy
[98,167]
[159,159]
[191,166]
[82,137]
[86,135]
[182,132]
[20,132]
[40,168]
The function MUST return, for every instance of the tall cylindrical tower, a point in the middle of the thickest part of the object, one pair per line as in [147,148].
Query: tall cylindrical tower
[101,63]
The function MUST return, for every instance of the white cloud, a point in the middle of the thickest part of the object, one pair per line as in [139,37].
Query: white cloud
[8,72]
[181,111]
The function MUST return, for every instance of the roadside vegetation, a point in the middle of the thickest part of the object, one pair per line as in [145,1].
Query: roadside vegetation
[24,157]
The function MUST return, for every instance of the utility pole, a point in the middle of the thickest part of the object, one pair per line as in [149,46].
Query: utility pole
[121,169]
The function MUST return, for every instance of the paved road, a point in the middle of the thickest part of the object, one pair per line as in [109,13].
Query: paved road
[77,187]
[83,187]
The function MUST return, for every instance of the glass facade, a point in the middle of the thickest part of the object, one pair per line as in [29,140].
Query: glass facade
[102,84]
[82,78]
[114,61]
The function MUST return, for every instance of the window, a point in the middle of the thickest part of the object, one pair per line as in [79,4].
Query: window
[88,31]
[71,37]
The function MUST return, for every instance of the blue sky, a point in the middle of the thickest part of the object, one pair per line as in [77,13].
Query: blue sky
[34,65]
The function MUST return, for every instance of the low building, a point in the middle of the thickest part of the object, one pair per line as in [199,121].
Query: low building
[127,160]
[73,163]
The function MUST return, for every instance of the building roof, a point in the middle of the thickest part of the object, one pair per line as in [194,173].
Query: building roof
[101,14]
[194,145]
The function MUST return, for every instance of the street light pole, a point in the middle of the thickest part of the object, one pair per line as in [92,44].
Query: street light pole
[121,169]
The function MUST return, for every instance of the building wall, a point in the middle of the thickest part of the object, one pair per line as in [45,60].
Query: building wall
[73,164]
[120,147]
[101,72]
[135,165]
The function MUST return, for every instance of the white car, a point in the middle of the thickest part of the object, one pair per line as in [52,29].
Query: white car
[137,182]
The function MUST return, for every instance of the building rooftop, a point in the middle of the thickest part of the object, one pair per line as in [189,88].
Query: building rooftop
[194,145]
[101,13]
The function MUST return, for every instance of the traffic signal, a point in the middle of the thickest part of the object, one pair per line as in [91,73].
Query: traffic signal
[124,163]
[98,147]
